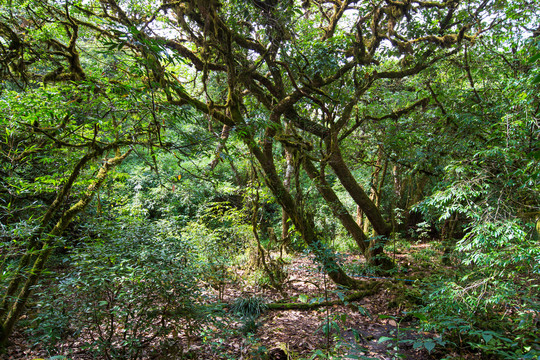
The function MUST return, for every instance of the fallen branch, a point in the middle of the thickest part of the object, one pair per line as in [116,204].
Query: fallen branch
[357,295]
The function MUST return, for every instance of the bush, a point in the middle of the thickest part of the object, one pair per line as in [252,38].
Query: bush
[491,303]
[481,312]
[124,293]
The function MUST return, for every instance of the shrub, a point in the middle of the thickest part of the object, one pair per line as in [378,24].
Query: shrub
[124,293]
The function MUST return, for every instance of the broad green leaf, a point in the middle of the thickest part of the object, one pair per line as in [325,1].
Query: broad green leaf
[384,339]
[419,316]
[487,337]
[429,345]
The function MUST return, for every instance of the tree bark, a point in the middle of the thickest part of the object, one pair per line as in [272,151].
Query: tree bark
[225,131]
[358,295]
[376,184]
[287,184]
[303,222]
[338,209]
[358,194]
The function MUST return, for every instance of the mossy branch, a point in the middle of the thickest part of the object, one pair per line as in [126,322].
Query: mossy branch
[39,264]
[357,295]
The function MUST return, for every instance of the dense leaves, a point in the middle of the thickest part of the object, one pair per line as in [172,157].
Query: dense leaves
[231,131]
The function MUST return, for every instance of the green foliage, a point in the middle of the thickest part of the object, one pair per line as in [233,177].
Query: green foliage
[221,232]
[494,192]
[162,79]
[261,278]
[344,244]
[252,306]
[126,291]
[487,314]
[398,339]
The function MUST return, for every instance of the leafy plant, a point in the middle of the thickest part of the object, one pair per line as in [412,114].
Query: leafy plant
[126,291]
[252,306]
[398,339]
[249,309]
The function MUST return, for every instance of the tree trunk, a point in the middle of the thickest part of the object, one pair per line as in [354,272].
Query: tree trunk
[359,217]
[17,305]
[358,194]
[225,131]
[303,222]
[287,184]
[338,209]
[381,184]
[447,235]
[396,197]
[368,290]
[374,254]
[376,184]
[33,245]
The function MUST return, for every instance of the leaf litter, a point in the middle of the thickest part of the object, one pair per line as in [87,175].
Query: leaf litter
[374,327]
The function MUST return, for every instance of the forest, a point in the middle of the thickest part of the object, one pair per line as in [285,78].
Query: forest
[269,179]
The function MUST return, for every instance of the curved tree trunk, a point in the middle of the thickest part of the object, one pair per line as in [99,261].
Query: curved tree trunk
[15,308]
[374,254]
[338,209]
[303,222]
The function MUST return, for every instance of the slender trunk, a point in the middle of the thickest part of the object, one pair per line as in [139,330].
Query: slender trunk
[374,184]
[287,184]
[260,249]
[225,131]
[18,305]
[29,257]
[447,237]
[237,176]
[398,188]
[419,189]
[375,247]
[359,217]
[397,195]
[381,184]
[338,209]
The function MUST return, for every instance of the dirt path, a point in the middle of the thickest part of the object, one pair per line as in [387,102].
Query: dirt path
[356,330]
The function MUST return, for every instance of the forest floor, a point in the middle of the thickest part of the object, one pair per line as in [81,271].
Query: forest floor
[373,327]
[357,329]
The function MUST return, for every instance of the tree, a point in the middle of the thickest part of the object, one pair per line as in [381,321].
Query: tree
[309,76]
[65,130]
[279,76]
